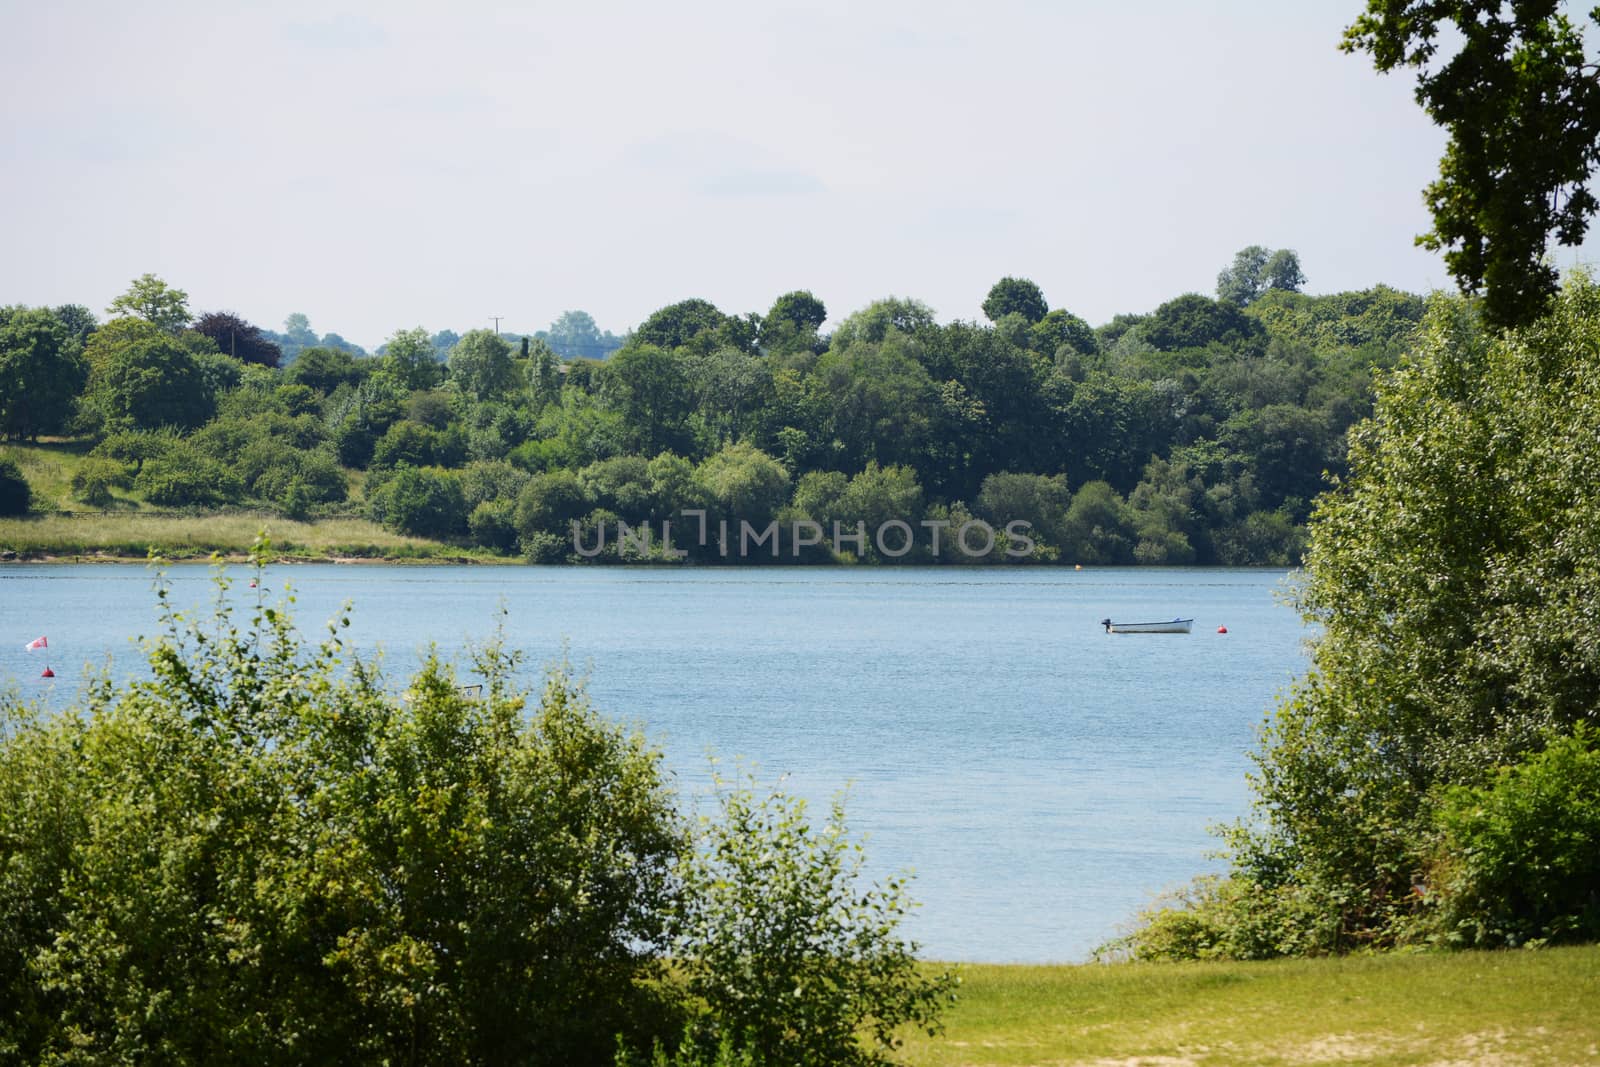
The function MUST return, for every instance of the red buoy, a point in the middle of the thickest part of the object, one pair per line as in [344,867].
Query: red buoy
[1222,629]
[48,673]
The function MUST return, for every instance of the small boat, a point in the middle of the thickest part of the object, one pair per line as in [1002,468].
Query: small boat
[1176,626]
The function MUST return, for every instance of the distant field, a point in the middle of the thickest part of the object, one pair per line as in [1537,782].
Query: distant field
[133,534]
[1530,1008]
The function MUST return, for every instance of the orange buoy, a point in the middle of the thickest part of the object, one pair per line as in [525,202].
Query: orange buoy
[1222,629]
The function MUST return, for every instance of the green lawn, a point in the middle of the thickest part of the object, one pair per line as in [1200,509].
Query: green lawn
[1465,1008]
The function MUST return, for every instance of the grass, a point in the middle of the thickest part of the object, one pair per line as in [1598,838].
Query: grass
[1539,1007]
[64,526]
[133,534]
[48,466]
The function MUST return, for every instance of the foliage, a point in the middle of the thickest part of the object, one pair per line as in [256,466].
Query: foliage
[96,476]
[915,416]
[42,371]
[411,356]
[261,851]
[1015,296]
[183,477]
[153,300]
[481,365]
[1256,270]
[679,324]
[1192,321]
[1451,577]
[792,955]
[425,501]
[1512,87]
[15,495]
[143,379]
[1516,861]
[239,339]
[324,369]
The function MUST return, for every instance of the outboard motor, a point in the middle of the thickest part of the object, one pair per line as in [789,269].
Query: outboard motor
[1107,624]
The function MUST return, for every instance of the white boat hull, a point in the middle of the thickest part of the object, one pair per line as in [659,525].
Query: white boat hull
[1176,626]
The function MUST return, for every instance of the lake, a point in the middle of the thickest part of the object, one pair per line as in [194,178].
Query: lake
[1042,779]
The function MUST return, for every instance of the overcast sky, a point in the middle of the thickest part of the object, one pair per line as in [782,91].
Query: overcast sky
[387,165]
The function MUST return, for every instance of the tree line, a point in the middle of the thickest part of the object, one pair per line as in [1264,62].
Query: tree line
[1199,432]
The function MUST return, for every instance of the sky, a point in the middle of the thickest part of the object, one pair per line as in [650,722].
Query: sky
[383,166]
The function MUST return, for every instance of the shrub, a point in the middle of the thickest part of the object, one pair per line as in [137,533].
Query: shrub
[1517,860]
[492,524]
[96,476]
[425,501]
[316,870]
[15,495]
[182,478]
[792,955]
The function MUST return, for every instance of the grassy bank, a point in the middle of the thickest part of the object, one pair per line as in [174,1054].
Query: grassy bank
[187,536]
[68,528]
[1465,1008]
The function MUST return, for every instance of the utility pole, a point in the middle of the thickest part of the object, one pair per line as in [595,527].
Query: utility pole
[497,319]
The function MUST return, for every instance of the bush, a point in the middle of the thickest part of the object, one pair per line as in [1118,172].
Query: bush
[492,524]
[318,871]
[15,495]
[96,476]
[792,955]
[425,502]
[181,478]
[1517,861]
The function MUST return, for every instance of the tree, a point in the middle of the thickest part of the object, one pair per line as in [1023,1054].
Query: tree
[741,482]
[796,959]
[324,369]
[237,338]
[1061,327]
[649,388]
[42,371]
[1192,321]
[1255,270]
[411,355]
[424,501]
[1017,295]
[1448,578]
[1519,100]
[156,302]
[873,322]
[481,365]
[678,324]
[575,336]
[141,378]
[79,322]
[1283,271]
[791,324]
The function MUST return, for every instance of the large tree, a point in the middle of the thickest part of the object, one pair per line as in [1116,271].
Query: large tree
[153,300]
[1256,270]
[1510,83]
[481,365]
[1451,580]
[678,324]
[1015,296]
[237,338]
[142,379]
[42,372]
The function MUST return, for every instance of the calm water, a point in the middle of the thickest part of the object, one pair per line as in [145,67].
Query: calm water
[1041,778]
